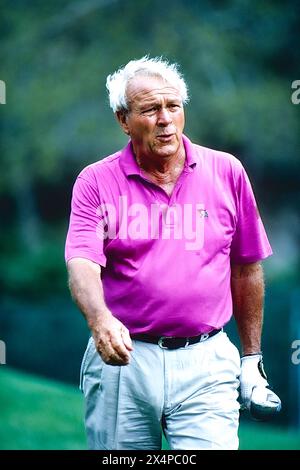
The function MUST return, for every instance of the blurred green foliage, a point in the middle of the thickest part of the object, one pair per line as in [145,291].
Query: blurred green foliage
[239,58]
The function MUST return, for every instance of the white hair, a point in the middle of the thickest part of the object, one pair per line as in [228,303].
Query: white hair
[117,82]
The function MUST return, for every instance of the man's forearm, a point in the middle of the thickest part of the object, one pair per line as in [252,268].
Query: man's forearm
[247,286]
[86,289]
[111,337]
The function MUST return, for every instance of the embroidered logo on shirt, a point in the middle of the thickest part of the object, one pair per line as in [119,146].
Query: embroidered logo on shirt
[203,213]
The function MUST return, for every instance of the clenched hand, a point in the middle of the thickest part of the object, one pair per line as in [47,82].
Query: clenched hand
[112,341]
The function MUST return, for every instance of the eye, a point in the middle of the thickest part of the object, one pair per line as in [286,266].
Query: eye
[174,106]
[149,110]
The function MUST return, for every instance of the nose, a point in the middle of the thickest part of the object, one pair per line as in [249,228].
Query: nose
[164,117]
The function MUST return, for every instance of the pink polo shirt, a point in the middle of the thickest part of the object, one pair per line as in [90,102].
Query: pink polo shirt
[166,260]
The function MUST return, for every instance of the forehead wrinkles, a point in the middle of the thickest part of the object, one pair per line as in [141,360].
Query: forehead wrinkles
[137,93]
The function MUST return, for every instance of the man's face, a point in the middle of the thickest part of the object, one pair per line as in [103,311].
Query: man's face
[155,119]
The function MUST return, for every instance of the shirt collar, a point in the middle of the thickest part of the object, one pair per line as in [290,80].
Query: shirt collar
[190,161]
[130,167]
[128,161]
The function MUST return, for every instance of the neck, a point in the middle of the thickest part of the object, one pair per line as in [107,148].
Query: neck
[163,167]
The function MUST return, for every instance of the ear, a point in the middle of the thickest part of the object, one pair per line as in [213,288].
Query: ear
[122,118]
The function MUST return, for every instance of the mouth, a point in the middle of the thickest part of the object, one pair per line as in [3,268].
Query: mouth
[165,137]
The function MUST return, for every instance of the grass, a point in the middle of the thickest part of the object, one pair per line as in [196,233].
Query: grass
[38,413]
[262,436]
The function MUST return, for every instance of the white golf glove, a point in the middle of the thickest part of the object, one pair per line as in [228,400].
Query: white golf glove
[252,375]
[262,402]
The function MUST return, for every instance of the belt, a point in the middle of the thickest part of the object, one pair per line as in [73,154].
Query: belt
[172,342]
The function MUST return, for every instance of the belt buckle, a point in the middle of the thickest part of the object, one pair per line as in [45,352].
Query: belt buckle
[160,341]
[204,336]
[162,338]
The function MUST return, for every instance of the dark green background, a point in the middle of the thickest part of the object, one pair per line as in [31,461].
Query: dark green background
[239,59]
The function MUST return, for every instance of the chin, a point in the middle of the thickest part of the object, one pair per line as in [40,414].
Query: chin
[167,150]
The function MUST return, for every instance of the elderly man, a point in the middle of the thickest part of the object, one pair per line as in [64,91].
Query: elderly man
[164,244]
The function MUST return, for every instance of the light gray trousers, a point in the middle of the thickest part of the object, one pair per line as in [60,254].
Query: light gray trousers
[190,393]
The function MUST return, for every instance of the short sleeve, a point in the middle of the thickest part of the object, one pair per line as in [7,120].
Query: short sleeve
[83,240]
[250,242]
